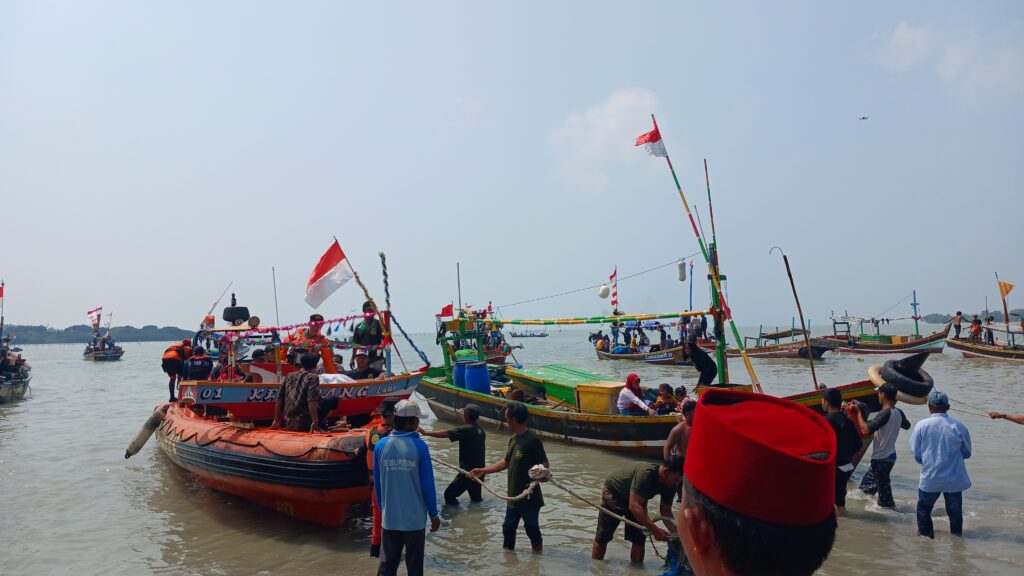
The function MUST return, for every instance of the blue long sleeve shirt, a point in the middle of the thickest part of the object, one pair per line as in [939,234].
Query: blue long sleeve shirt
[403,482]
[941,445]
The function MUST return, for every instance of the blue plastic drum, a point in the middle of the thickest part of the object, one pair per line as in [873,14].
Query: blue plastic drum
[460,375]
[478,379]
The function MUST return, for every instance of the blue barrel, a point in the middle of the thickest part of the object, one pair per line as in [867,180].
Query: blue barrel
[478,379]
[460,375]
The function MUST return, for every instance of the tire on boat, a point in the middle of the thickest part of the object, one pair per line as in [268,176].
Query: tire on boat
[911,389]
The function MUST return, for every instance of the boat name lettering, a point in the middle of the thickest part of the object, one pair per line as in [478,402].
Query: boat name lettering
[262,395]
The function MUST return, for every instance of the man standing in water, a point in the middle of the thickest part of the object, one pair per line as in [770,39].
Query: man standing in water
[403,487]
[940,445]
[848,442]
[525,450]
[886,427]
[471,438]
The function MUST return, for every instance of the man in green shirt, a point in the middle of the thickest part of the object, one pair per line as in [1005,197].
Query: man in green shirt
[525,450]
[627,492]
[471,438]
[368,336]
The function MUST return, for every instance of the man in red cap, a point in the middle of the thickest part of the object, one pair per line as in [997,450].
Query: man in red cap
[758,487]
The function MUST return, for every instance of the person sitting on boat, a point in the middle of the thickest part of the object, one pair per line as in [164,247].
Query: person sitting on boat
[173,363]
[259,355]
[368,334]
[298,402]
[626,493]
[363,370]
[199,365]
[666,402]
[681,395]
[975,335]
[601,344]
[702,362]
[226,372]
[631,398]
[317,343]
[775,525]
[643,342]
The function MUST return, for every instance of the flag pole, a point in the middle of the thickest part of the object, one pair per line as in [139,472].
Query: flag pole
[2,284]
[277,314]
[714,279]
[1006,312]
[803,326]
[366,292]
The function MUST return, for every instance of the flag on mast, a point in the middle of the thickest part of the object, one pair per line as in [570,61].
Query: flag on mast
[653,143]
[1004,288]
[614,279]
[330,273]
[94,317]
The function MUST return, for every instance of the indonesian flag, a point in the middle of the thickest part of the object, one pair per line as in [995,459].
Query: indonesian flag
[330,273]
[653,143]
[1004,288]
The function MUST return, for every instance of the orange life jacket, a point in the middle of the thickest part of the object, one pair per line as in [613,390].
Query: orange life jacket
[177,352]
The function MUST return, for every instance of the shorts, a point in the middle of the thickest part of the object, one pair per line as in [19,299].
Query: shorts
[173,367]
[606,525]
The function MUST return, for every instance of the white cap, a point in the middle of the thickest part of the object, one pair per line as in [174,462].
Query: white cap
[407,408]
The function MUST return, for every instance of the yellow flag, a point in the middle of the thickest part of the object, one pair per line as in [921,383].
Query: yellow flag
[1004,287]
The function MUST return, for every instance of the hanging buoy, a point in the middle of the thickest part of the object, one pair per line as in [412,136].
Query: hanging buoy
[682,270]
[604,291]
[147,430]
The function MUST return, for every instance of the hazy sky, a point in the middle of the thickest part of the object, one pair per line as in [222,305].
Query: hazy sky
[152,152]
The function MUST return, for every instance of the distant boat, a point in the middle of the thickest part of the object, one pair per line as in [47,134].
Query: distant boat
[879,343]
[528,334]
[102,349]
[15,374]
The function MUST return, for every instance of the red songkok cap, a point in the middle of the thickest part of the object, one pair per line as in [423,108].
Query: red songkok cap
[632,381]
[751,454]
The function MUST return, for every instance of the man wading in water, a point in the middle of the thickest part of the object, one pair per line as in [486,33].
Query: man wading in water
[886,427]
[471,439]
[525,450]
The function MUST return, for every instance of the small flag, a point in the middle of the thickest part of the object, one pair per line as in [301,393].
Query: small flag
[330,273]
[614,279]
[1004,287]
[94,311]
[448,310]
[653,143]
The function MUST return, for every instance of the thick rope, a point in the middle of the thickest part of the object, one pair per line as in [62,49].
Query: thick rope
[387,302]
[557,484]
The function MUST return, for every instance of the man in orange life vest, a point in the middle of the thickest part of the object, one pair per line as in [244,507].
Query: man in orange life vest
[173,363]
[768,508]
[314,341]
[373,435]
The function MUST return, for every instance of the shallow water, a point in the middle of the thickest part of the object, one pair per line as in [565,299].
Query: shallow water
[71,504]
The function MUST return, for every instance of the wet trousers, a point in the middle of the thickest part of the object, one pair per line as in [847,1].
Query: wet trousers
[393,541]
[460,485]
[531,523]
[876,481]
[954,509]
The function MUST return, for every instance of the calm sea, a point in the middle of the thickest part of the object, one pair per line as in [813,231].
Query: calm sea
[71,504]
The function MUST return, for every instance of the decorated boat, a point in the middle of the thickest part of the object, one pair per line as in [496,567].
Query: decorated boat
[15,372]
[1011,347]
[106,350]
[528,334]
[878,343]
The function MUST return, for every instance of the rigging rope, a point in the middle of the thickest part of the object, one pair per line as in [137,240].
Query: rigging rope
[387,302]
[597,285]
[894,305]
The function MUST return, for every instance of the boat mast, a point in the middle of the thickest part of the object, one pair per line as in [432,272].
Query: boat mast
[721,346]
[914,304]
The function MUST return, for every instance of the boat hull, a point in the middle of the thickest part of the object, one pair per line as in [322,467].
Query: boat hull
[974,350]
[797,349]
[669,357]
[12,390]
[932,343]
[313,477]
[103,356]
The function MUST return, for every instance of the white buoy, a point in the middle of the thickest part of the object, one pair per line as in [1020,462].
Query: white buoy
[148,428]
[682,270]
[604,291]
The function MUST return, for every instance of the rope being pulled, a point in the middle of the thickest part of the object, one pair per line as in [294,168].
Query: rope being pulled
[540,474]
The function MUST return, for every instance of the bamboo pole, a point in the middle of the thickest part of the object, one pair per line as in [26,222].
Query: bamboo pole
[807,336]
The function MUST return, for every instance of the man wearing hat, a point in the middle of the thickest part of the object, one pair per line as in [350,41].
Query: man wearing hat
[311,339]
[368,335]
[758,487]
[363,370]
[886,427]
[626,492]
[404,492]
[471,438]
[386,410]
[941,445]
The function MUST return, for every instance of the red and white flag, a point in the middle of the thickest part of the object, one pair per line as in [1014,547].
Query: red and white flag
[1,292]
[653,143]
[94,311]
[330,273]
[614,279]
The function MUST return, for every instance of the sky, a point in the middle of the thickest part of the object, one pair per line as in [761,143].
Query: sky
[151,153]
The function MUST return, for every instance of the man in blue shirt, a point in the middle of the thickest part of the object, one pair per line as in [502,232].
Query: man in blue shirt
[941,445]
[403,482]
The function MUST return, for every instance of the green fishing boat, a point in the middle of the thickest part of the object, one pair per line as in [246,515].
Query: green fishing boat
[555,382]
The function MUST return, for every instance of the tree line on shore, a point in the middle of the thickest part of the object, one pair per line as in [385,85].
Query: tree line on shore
[80,334]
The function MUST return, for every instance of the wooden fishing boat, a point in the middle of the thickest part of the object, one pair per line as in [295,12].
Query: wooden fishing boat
[979,350]
[529,334]
[911,344]
[107,355]
[669,357]
[15,374]
[555,382]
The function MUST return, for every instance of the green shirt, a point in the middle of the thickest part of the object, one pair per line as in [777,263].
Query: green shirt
[471,445]
[640,478]
[524,452]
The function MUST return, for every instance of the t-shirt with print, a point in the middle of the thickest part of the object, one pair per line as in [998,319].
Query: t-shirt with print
[471,438]
[641,478]
[524,452]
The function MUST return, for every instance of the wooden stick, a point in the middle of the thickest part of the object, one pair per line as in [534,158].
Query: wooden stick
[803,327]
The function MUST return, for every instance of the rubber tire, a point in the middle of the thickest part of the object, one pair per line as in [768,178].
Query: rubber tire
[908,386]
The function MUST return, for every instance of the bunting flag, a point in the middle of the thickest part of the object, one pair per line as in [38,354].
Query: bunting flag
[330,273]
[1004,287]
[614,279]
[653,143]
